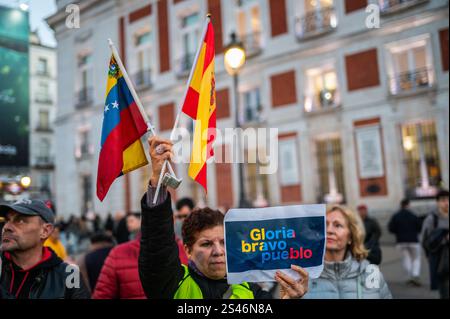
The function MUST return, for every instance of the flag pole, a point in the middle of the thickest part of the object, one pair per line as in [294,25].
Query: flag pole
[177,119]
[134,94]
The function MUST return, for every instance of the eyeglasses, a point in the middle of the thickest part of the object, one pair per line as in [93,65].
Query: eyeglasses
[181,216]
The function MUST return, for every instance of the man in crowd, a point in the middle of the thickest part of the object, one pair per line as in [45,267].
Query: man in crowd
[30,270]
[436,243]
[406,227]
[373,234]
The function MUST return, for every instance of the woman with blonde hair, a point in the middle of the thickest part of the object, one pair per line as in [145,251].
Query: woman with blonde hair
[347,274]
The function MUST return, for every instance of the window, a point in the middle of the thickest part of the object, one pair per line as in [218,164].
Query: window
[85,79]
[421,159]
[250,26]
[390,6]
[321,89]
[86,186]
[190,36]
[315,17]
[410,65]
[331,176]
[44,120]
[45,181]
[288,164]
[257,184]
[42,66]
[252,106]
[42,93]
[44,151]
[143,51]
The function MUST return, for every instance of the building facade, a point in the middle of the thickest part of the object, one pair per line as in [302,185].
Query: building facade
[43,97]
[358,91]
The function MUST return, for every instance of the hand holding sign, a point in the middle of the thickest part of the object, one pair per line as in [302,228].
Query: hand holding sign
[291,288]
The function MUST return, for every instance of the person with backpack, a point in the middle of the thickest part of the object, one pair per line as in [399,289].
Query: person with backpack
[435,241]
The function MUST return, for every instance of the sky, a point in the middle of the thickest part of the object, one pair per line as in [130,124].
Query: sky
[39,10]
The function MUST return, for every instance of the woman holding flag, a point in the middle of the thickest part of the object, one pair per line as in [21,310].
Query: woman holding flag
[161,272]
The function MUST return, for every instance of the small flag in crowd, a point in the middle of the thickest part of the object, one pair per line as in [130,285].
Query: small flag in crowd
[200,105]
[123,125]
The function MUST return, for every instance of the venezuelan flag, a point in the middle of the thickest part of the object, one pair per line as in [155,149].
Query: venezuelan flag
[200,105]
[123,125]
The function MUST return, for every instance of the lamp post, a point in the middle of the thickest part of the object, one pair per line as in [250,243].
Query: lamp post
[234,60]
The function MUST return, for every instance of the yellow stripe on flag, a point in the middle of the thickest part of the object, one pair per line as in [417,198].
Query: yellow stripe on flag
[134,157]
[199,147]
[196,81]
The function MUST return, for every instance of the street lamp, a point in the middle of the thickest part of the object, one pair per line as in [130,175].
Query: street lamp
[234,59]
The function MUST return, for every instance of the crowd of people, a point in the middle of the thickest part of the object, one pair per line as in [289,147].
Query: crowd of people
[161,253]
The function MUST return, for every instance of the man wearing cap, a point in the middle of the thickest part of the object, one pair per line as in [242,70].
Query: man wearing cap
[30,270]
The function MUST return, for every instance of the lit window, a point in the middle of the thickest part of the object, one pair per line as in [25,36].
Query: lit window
[410,65]
[321,89]
[421,159]
[250,27]
[331,176]
[315,17]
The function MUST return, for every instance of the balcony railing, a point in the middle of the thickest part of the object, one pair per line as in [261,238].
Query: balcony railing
[43,98]
[252,43]
[252,114]
[392,6]
[326,100]
[84,98]
[143,78]
[411,81]
[315,23]
[44,128]
[184,64]
[43,73]
[44,161]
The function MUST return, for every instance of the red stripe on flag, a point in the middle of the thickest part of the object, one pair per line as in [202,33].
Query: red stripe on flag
[209,40]
[110,163]
[190,105]
[201,177]
[211,134]
[139,121]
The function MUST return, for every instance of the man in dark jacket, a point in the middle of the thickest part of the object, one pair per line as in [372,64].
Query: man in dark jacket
[373,234]
[406,226]
[30,270]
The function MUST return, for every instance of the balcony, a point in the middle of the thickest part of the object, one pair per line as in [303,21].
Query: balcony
[252,116]
[316,23]
[43,98]
[252,43]
[394,6]
[84,98]
[184,65]
[411,82]
[143,79]
[44,129]
[44,162]
[43,73]
[326,101]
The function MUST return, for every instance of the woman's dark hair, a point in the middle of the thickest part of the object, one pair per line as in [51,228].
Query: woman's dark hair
[200,220]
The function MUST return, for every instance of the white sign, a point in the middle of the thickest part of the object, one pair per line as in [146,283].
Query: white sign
[288,163]
[370,155]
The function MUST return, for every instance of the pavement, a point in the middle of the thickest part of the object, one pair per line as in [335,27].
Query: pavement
[395,276]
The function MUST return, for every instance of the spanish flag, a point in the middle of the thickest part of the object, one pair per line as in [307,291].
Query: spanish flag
[200,105]
[123,125]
